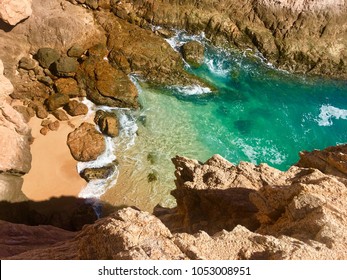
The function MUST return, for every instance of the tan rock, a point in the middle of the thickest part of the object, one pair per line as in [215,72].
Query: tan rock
[14,11]
[86,143]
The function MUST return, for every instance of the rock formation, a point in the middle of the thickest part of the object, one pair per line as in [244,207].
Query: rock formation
[12,12]
[15,160]
[301,36]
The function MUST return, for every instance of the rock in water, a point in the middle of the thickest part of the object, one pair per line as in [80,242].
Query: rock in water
[193,53]
[104,172]
[14,11]
[86,143]
[107,122]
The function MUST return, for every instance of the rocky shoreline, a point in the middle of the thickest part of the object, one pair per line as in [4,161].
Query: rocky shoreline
[244,211]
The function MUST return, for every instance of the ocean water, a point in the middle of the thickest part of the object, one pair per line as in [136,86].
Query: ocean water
[257,114]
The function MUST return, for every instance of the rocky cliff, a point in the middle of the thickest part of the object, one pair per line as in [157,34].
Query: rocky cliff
[300,36]
[223,212]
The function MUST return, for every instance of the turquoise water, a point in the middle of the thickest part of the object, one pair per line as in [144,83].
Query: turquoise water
[257,114]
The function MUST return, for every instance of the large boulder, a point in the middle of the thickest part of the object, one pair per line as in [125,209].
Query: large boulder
[14,11]
[86,143]
[106,85]
[193,53]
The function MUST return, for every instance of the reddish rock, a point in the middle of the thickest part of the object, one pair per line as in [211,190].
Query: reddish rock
[75,108]
[107,122]
[44,130]
[86,143]
[54,125]
[68,86]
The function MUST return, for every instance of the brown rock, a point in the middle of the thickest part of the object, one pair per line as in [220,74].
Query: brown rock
[106,85]
[104,172]
[332,160]
[86,143]
[41,112]
[60,115]
[56,101]
[27,63]
[193,53]
[54,125]
[46,56]
[75,51]
[68,86]
[44,130]
[107,122]
[75,108]
[129,234]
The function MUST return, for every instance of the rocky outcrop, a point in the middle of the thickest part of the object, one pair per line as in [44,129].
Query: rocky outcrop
[300,36]
[14,161]
[332,160]
[86,143]
[13,12]
[29,238]
[104,84]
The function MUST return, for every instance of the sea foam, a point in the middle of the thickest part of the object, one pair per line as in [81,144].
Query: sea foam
[328,113]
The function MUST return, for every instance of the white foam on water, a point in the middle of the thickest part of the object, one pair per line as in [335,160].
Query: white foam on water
[269,153]
[328,113]
[191,90]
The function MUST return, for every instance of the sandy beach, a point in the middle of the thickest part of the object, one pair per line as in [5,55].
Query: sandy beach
[53,170]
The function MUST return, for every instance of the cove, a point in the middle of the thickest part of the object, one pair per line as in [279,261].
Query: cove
[257,114]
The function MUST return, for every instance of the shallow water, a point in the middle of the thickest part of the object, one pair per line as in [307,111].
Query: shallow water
[258,114]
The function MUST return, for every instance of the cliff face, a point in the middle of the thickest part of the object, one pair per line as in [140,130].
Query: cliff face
[223,212]
[301,36]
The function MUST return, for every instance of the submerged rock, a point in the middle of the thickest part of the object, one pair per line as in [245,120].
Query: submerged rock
[86,143]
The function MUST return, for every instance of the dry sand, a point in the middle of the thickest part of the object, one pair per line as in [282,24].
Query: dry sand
[53,170]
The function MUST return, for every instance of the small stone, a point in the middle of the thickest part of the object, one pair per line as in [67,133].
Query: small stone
[45,80]
[46,56]
[41,112]
[46,122]
[54,125]
[27,63]
[44,130]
